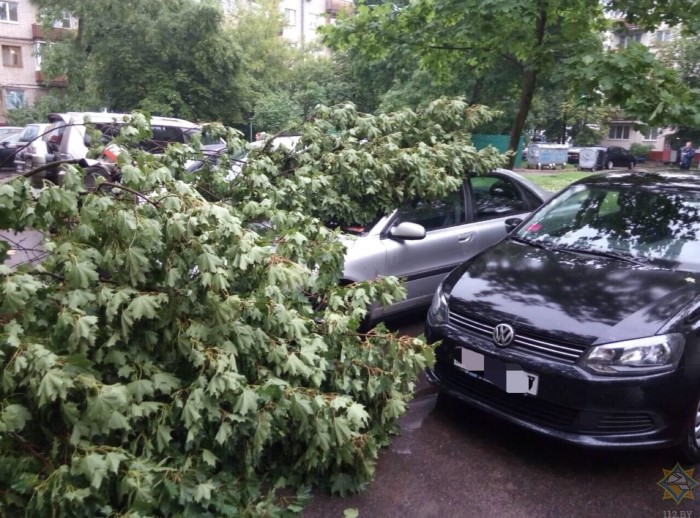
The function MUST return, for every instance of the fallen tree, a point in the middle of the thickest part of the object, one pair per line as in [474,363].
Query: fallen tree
[185,347]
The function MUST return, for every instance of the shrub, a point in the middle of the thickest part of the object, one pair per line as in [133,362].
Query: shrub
[640,149]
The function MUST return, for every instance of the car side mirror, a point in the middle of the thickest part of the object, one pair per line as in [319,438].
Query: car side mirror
[408,231]
[512,224]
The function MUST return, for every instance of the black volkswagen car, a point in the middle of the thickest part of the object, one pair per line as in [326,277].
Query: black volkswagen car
[584,322]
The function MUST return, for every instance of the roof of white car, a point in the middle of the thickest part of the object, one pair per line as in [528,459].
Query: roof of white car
[103,117]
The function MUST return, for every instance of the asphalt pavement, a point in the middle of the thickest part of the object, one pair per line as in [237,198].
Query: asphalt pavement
[452,461]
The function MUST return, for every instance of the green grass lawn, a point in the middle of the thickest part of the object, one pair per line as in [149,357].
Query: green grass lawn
[554,181]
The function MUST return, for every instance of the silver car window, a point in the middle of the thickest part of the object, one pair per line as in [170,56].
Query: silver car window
[495,197]
[443,213]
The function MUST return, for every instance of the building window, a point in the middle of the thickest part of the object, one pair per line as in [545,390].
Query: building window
[664,35]
[11,56]
[8,12]
[39,53]
[14,99]
[619,132]
[315,21]
[653,134]
[290,16]
[627,39]
[64,22]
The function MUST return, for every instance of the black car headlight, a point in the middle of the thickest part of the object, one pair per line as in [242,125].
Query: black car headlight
[438,314]
[639,356]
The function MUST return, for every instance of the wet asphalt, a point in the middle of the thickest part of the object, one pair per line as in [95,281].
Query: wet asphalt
[452,461]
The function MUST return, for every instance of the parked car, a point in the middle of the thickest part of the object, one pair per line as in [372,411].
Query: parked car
[8,147]
[30,147]
[212,154]
[584,323]
[617,156]
[68,137]
[423,242]
[8,130]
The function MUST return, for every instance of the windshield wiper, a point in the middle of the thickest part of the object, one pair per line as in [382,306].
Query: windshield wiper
[544,245]
[606,254]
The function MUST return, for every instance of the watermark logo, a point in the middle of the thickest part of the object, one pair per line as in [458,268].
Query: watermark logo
[678,484]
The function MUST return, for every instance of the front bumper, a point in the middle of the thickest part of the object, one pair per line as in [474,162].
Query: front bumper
[571,405]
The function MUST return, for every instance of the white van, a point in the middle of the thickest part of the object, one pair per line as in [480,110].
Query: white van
[69,139]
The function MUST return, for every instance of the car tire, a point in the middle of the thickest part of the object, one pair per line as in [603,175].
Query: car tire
[690,448]
[609,164]
[632,164]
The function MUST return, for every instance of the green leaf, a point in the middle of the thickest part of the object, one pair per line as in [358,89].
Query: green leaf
[246,402]
[54,385]
[140,388]
[357,415]
[209,458]
[81,274]
[144,306]
[203,492]
[13,418]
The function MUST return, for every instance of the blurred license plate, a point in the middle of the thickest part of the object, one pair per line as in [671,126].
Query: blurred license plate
[507,376]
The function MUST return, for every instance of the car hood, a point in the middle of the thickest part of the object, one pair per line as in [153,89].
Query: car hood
[570,297]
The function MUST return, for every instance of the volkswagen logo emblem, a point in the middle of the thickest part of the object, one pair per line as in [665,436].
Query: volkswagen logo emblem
[503,335]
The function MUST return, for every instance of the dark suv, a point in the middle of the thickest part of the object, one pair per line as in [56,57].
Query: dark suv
[584,322]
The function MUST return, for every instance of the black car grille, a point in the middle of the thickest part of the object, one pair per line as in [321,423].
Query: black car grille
[540,412]
[527,408]
[623,423]
[561,352]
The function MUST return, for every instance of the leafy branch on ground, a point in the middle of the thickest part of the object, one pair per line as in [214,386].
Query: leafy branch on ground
[171,357]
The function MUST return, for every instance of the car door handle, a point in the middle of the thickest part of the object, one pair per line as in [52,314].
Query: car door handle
[465,238]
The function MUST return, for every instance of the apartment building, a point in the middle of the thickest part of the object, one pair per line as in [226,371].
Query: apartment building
[21,39]
[302,17]
[622,132]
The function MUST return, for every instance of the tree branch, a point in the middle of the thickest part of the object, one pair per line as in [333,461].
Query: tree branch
[127,189]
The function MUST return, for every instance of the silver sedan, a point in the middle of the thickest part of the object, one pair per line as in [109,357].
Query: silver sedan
[423,242]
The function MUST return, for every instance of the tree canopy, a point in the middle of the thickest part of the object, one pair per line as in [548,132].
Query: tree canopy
[507,52]
[169,57]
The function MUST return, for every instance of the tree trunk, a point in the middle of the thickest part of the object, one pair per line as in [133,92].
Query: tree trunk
[516,129]
[529,85]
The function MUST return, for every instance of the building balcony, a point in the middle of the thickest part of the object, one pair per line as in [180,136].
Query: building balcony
[55,34]
[59,81]
[333,7]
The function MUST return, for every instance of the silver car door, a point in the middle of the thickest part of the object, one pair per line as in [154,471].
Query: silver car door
[425,262]
[493,199]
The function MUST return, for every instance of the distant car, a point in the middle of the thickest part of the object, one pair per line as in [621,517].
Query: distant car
[422,242]
[8,147]
[31,148]
[584,323]
[212,154]
[8,130]
[617,156]
[68,137]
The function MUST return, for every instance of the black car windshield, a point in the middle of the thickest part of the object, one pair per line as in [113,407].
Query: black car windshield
[659,225]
